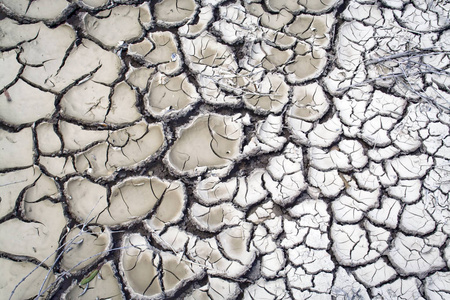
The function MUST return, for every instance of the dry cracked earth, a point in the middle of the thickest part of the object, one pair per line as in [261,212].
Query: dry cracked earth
[211,149]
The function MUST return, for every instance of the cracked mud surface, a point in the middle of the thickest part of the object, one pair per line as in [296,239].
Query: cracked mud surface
[224,149]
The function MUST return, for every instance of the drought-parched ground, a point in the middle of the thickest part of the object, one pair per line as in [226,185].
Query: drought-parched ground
[211,149]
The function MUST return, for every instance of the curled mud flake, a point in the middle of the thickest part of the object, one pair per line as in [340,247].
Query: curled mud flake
[387,214]
[17,149]
[284,178]
[92,4]
[13,33]
[205,252]
[250,189]
[176,273]
[122,106]
[311,260]
[139,77]
[214,218]
[158,49]
[43,187]
[169,97]
[49,11]
[267,289]
[47,138]
[408,288]
[417,220]
[174,12]
[11,186]
[311,215]
[412,166]
[306,66]
[37,238]
[120,24]
[309,103]
[318,6]
[234,242]
[84,247]
[329,182]
[277,5]
[375,273]
[204,51]
[324,134]
[275,21]
[436,286]
[32,103]
[192,30]
[345,285]
[268,137]
[351,246]
[13,272]
[171,207]
[209,142]
[213,190]
[352,207]
[216,288]
[271,94]
[272,263]
[139,265]
[411,256]
[103,286]
[312,29]
[432,17]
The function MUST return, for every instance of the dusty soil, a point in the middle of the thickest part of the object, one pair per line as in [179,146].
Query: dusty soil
[214,149]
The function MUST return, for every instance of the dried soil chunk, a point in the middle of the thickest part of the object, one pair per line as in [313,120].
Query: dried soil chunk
[351,246]
[139,265]
[312,29]
[174,12]
[170,208]
[250,189]
[210,141]
[14,271]
[45,10]
[212,190]
[411,256]
[14,33]
[346,286]
[192,29]
[170,96]
[38,238]
[271,95]
[436,286]
[16,148]
[9,66]
[176,273]
[124,148]
[307,65]
[216,289]
[309,103]
[206,253]
[214,218]
[159,49]
[32,103]
[103,286]
[375,273]
[408,288]
[416,219]
[12,184]
[84,247]
[130,200]
[76,138]
[120,24]
[262,289]
[85,60]
[284,178]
